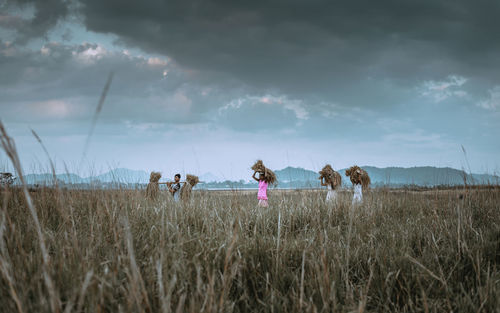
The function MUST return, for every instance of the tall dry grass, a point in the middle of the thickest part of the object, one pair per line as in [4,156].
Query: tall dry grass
[115,251]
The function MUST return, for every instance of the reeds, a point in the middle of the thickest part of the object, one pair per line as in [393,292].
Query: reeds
[119,252]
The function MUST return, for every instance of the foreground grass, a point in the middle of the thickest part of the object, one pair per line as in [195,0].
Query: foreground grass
[114,251]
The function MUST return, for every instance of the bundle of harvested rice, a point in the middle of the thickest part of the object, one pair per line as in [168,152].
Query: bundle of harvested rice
[358,176]
[153,189]
[186,192]
[259,166]
[191,181]
[268,175]
[154,177]
[330,176]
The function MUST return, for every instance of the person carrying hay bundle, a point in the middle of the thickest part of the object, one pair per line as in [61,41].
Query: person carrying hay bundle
[191,181]
[266,177]
[360,180]
[332,180]
[175,187]
[153,188]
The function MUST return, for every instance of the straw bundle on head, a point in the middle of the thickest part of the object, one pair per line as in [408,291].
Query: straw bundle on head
[191,180]
[358,176]
[268,175]
[330,176]
[153,189]
[258,166]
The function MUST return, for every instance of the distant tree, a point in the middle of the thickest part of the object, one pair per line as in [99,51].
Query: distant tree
[6,179]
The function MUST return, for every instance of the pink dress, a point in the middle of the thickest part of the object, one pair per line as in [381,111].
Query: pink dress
[262,194]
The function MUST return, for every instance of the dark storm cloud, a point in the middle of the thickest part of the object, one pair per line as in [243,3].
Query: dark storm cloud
[46,15]
[63,82]
[322,48]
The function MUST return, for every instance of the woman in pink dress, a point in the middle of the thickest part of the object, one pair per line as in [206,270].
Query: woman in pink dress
[262,193]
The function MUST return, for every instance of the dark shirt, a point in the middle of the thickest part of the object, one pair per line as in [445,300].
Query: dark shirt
[176,193]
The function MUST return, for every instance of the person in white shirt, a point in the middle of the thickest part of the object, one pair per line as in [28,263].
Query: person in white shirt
[331,195]
[175,187]
[331,179]
[360,181]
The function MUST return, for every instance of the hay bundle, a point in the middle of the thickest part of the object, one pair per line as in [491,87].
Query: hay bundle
[358,176]
[269,175]
[153,189]
[191,181]
[330,176]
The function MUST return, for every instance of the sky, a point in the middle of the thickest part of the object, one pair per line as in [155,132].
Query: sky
[212,86]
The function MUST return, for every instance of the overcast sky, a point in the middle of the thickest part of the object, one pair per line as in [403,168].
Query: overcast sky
[211,86]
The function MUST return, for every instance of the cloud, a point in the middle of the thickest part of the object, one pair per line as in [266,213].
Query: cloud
[32,19]
[415,138]
[444,89]
[11,22]
[262,113]
[319,48]
[157,61]
[7,49]
[88,53]
[53,108]
[53,80]
[321,51]
[493,101]
[268,101]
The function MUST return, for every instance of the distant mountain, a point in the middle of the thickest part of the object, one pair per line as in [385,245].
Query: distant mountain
[119,175]
[290,177]
[209,177]
[290,174]
[391,176]
[47,179]
[424,176]
[297,177]
[123,175]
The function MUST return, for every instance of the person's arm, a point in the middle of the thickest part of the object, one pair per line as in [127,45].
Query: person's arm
[176,188]
[253,176]
[169,185]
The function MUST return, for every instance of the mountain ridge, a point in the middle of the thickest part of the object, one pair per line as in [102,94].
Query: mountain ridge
[296,177]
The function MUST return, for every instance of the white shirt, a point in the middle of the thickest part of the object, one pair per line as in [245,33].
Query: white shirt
[176,187]
[358,194]
[332,193]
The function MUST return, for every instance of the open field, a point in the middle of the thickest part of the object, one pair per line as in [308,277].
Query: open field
[114,251]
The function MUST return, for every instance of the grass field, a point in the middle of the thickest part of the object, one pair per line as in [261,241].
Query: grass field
[114,251]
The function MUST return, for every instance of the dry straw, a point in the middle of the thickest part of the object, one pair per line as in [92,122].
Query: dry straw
[330,176]
[358,176]
[191,181]
[153,188]
[268,175]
